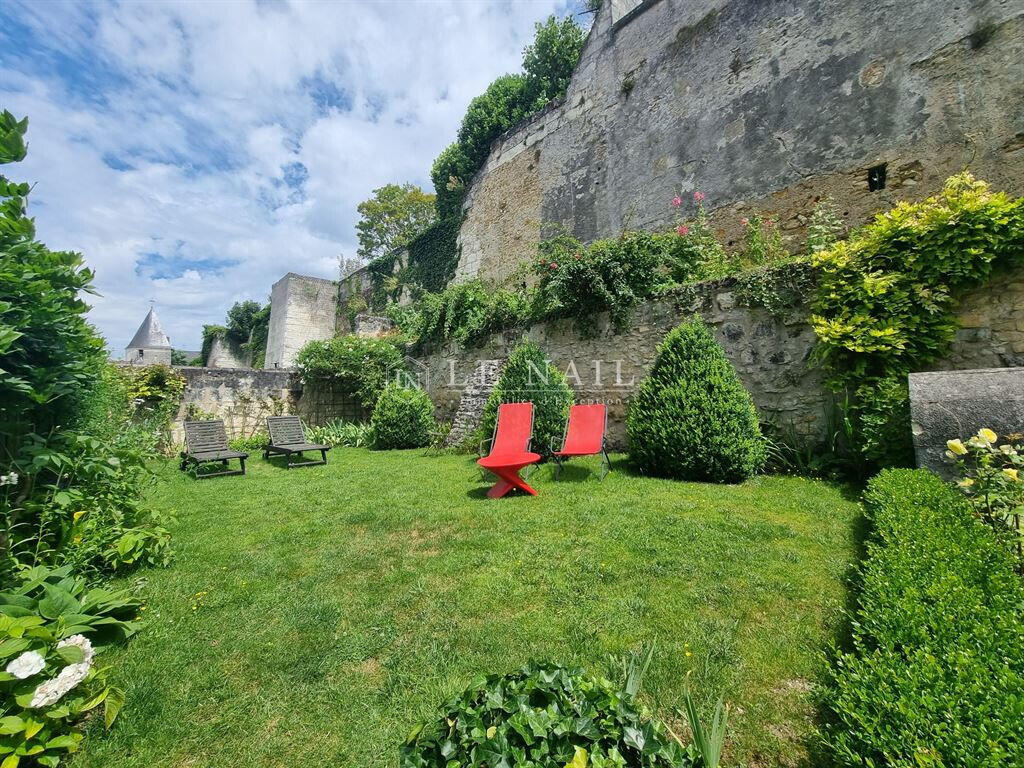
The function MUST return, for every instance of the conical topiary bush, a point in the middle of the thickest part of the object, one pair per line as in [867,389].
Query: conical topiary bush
[691,418]
[528,378]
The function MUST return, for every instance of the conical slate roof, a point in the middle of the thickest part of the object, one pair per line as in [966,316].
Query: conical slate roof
[150,335]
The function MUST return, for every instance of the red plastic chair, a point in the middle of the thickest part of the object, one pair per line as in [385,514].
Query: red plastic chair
[510,449]
[584,436]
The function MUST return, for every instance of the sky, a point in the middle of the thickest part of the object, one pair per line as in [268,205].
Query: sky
[195,152]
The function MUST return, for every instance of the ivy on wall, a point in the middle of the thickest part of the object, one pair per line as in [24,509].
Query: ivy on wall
[886,298]
[433,255]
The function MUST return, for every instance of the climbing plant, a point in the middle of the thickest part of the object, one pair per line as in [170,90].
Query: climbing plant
[886,298]
[433,255]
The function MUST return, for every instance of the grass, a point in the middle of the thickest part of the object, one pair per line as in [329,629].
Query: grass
[313,616]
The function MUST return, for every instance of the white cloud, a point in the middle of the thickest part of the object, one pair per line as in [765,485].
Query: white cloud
[165,138]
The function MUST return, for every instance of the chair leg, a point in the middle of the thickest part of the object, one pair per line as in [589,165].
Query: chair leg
[242,462]
[558,466]
[323,456]
[606,466]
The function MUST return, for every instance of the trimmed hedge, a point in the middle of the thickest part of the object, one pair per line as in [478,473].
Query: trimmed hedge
[936,676]
[402,418]
[691,418]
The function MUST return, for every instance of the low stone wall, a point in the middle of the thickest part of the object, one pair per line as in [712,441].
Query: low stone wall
[772,355]
[244,398]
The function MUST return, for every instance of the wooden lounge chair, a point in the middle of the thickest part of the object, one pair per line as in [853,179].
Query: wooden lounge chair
[207,442]
[288,438]
[584,436]
[510,448]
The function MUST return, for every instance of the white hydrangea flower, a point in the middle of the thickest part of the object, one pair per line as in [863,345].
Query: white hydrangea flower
[9,479]
[51,691]
[26,665]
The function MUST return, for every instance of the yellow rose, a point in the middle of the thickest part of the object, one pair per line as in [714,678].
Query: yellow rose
[987,435]
[956,447]
[1010,473]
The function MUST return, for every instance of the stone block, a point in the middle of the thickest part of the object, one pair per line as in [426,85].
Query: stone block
[950,404]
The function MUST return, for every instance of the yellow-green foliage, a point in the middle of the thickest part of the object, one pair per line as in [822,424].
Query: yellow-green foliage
[886,299]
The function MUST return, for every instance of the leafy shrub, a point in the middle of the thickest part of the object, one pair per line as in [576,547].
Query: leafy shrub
[543,714]
[51,626]
[937,667]
[607,276]
[357,365]
[691,418]
[348,433]
[403,418]
[257,441]
[885,299]
[527,377]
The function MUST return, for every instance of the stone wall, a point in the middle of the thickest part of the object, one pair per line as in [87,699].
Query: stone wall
[762,106]
[243,398]
[772,355]
[223,354]
[143,356]
[302,309]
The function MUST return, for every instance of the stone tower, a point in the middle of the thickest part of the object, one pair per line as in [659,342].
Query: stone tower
[150,345]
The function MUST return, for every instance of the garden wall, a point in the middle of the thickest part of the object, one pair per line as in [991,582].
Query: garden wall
[243,398]
[762,106]
[302,309]
[771,354]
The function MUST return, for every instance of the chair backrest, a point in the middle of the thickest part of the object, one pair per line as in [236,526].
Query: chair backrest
[285,430]
[206,436]
[514,428]
[585,431]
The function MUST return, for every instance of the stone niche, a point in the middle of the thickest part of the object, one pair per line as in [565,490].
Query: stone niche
[949,404]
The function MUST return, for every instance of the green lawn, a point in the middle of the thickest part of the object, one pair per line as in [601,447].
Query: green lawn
[312,616]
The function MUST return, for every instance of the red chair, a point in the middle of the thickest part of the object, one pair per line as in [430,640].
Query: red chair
[584,436]
[510,448]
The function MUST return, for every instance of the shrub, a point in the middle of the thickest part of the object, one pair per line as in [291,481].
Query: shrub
[257,441]
[403,418]
[51,627]
[358,366]
[348,433]
[543,715]
[691,418]
[528,378]
[937,667]
[885,300]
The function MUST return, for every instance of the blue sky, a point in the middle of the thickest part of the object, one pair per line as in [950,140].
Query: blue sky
[196,152]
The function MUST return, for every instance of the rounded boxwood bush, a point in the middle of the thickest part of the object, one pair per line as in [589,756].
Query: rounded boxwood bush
[691,418]
[402,418]
[542,715]
[528,378]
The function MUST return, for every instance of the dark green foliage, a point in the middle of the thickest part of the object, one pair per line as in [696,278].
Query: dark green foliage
[607,276]
[356,365]
[528,378]
[402,418]
[543,715]
[886,298]
[550,59]
[211,332]
[691,418]
[433,255]
[449,173]
[937,667]
[393,216]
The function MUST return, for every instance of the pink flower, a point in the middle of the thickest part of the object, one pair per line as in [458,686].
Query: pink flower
[553,265]
[744,221]
[698,196]
[682,230]
[677,201]
[769,223]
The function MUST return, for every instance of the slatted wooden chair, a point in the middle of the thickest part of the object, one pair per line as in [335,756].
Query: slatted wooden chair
[288,438]
[207,442]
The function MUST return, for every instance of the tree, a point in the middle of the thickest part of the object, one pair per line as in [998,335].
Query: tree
[550,60]
[391,218]
[241,319]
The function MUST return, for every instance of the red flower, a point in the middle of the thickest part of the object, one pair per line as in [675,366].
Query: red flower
[769,223]
[677,201]
[744,221]
[698,196]
[682,230]
[553,265]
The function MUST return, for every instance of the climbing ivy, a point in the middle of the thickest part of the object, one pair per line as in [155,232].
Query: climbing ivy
[433,255]
[886,299]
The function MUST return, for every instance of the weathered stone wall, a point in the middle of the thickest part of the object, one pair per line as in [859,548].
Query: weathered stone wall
[142,356]
[771,354]
[223,354]
[243,398]
[762,106]
[301,309]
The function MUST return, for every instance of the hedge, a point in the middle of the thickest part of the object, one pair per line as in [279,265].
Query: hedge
[936,673]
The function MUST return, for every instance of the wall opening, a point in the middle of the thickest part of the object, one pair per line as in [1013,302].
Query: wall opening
[876,178]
